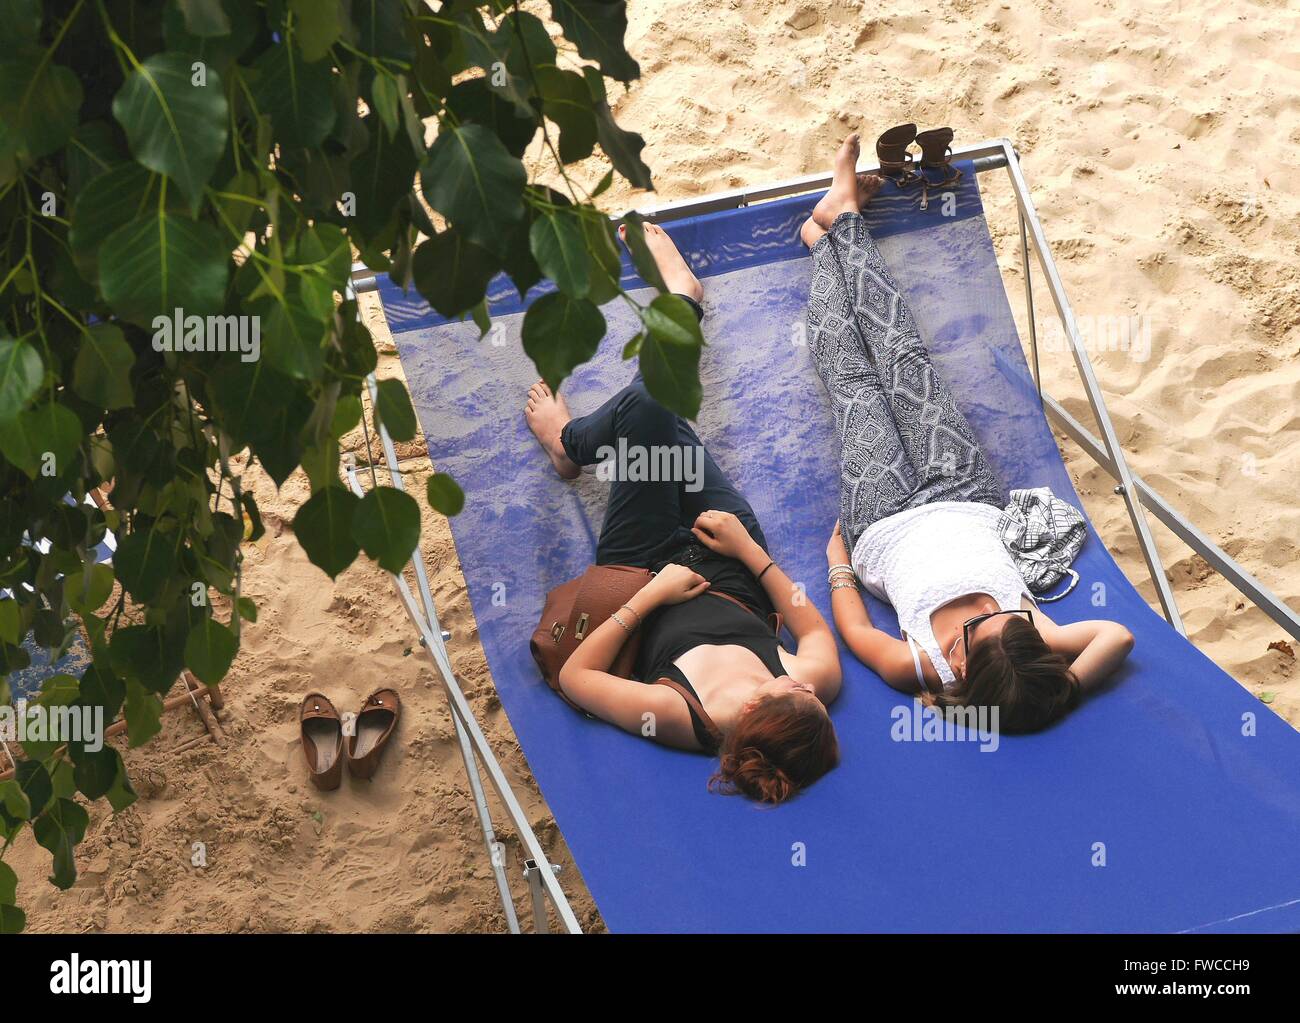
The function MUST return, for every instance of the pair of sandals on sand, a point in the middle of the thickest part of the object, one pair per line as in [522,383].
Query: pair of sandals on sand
[934,170]
[326,745]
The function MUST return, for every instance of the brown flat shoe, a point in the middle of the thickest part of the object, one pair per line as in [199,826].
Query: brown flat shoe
[374,726]
[322,741]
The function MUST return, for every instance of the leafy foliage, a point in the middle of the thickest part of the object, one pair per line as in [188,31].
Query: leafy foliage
[183,184]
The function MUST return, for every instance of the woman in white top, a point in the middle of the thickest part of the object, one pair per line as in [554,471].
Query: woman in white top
[919,502]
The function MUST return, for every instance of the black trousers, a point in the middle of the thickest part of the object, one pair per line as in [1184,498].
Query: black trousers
[647,522]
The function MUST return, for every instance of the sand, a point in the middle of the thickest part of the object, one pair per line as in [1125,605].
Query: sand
[1158,147]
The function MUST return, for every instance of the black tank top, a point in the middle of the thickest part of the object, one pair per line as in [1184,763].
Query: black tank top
[707,619]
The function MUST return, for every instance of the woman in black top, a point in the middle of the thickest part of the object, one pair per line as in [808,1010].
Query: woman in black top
[711,673]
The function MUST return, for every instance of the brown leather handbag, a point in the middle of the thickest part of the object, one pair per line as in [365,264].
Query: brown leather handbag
[574,610]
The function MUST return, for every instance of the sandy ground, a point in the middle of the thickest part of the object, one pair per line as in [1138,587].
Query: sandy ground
[1157,146]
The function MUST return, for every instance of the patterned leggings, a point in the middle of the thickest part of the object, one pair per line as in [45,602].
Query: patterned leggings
[903,441]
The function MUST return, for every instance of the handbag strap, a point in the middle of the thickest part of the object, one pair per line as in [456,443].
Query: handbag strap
[697,708]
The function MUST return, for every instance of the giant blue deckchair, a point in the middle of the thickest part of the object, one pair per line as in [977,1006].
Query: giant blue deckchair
[1169,802]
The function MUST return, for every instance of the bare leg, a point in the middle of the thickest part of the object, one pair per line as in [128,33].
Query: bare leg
[673,267]
[849,193]
[546,414]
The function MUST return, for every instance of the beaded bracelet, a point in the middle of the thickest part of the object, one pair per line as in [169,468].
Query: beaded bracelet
[845,585]
[626,628]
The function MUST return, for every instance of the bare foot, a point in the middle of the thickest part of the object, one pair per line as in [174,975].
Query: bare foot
[546,414]
[676,271]
[867,186]
[843,194]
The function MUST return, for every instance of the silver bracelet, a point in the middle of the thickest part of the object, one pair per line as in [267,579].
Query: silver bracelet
[845,585]
[633,610]
[839,572]
[626,628]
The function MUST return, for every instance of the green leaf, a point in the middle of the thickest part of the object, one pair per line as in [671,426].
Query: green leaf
[264,409]
[160,262]
[204,17]
[21,373]
[559,245]
[11,621]
[382,175]
[120,794]
[393,410]
[452,273]
[444,494]
[12,920]
[16,804]
[670,355]
[174,126]
[622,147]
[561,333]
[143,714]
[246,609]
[633,234]
[209,650]
[386,523]
[469,177]
[217,51]
[316,26]
[39,104]
[102,371]
[94,772]
[35,783]
[324,529]
[566,100]
[59,829]
[347,416]
[101,688]
[292,338]
[111,200]
[475,101]
[606,264]
[597,28]
[385,102]
[147,655]
[88,589]
[145,561]
[22,21]
[42,438]
[298,94]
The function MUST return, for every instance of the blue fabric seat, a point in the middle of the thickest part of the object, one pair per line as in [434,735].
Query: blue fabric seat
[1175,777]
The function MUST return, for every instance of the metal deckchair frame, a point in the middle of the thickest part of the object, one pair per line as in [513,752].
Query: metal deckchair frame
[1139,497]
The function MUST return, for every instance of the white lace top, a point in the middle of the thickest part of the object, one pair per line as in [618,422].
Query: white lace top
[922,558]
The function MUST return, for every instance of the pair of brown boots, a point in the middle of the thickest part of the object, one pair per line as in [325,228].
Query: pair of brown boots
[326,746]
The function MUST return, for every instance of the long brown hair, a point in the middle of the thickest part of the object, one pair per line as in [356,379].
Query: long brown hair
[1017,672]
[779,746]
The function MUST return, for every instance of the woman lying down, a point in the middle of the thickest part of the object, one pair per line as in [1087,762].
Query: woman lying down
[919,502]
[716,677]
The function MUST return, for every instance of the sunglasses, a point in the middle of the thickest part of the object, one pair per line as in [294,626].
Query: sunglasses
[974,623]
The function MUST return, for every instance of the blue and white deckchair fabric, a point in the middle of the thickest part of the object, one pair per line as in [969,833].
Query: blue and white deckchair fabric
[1150,808]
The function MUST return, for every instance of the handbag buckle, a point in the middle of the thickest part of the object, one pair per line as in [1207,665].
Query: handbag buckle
[557,630]
[580,630]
